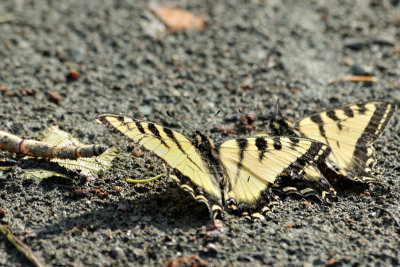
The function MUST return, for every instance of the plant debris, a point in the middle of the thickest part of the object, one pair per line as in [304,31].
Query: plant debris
[86,166]
[354,78]
[177,19]
[184,261]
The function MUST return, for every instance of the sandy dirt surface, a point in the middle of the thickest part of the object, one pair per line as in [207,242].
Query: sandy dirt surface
[248,54]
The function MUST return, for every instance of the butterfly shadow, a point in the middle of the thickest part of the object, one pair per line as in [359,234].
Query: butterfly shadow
[168,210]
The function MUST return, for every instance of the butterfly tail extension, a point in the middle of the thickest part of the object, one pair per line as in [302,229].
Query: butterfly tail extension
[270,204]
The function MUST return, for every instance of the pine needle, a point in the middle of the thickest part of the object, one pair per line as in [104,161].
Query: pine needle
[134,181]
[354,78]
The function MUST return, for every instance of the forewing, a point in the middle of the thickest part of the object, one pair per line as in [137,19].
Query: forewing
[253,164]
[350,132]
[175,149]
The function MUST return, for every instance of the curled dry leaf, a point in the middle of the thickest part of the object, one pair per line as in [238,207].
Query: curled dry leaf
[73,75]
[186,261]
[28,91]
[176,18]
[137,152]
[54,97]
[288,226]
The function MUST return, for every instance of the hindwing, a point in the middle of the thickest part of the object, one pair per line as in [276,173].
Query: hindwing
[309,181]
[253,163]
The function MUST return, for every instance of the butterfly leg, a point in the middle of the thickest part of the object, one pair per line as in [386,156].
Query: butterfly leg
[166,170]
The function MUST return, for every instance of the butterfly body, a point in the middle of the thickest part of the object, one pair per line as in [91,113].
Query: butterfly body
[235,175]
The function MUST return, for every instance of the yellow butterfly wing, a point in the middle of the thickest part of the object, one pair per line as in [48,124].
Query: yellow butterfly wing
[172,147]
[350,132]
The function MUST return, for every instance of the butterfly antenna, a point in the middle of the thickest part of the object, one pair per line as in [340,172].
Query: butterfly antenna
[181,121]
[208,123]
[278,114]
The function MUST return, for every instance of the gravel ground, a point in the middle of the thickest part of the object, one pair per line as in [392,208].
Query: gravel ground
[248,54]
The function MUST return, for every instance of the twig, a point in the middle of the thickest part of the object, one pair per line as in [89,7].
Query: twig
[21,247]
[396,223]
[4,18]
[354,78]
[15,144]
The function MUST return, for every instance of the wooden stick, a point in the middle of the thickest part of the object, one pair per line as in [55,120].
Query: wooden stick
[21,247]
[14,144]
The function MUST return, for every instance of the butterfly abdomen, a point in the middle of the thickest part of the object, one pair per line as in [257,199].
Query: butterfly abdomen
[280,127]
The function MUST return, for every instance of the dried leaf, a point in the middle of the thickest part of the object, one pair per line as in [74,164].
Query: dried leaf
[176,18]
[186,261]
[42,174]
[54,97]
[87,166]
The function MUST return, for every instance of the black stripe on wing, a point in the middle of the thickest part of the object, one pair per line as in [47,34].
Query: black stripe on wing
[316,118]
[242,144]
[262,145]
[153,129]
[364,156]
[349,112]
[296,168]
[378,122]
[332,115]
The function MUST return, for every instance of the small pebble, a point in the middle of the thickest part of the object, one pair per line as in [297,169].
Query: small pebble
[76,54]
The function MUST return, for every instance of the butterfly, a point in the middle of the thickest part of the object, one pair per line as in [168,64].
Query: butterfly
[349,131]
[235,175]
